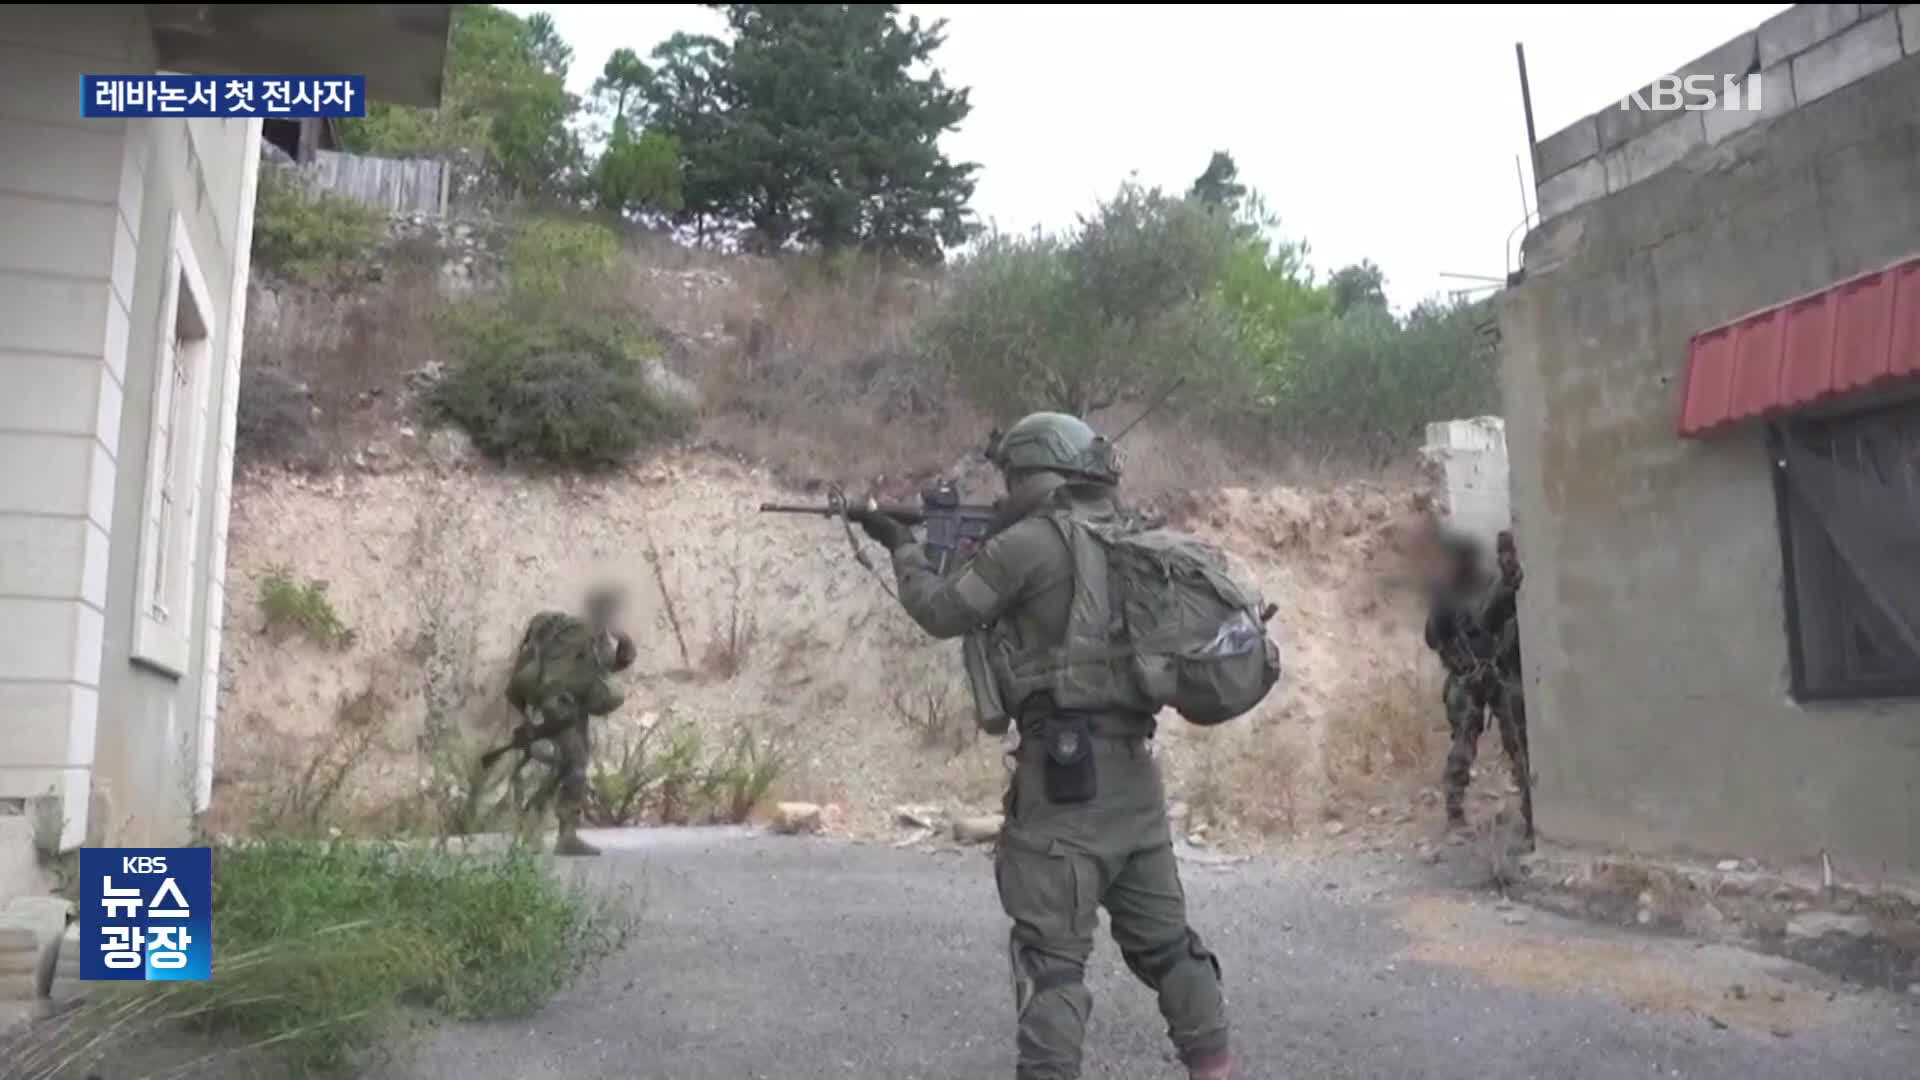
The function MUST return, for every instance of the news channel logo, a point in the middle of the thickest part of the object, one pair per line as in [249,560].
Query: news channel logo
[288,97]
[1699,93]
[146,914]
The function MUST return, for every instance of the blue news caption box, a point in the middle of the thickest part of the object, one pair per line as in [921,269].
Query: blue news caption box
[146,914]
[288,97]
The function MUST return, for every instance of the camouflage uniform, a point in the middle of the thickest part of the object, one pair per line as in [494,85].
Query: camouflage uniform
[1059,861]
[596,692]
[1457,631]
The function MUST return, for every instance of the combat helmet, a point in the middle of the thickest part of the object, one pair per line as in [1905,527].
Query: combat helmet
[1056,442]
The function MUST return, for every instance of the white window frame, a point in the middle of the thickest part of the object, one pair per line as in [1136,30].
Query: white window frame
[170,512]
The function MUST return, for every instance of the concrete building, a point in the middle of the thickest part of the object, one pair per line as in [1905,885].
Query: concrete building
[1714,419]
[123,273]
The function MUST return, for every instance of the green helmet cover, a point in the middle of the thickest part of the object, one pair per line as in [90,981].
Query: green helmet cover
[1057,442]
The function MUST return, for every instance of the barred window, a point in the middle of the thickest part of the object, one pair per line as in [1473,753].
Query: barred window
[1849,500]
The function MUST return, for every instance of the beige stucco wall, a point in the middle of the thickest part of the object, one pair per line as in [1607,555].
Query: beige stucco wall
[1653,614]
[89,209]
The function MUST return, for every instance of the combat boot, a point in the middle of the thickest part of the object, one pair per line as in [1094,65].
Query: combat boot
[1212,1067]
[569,842]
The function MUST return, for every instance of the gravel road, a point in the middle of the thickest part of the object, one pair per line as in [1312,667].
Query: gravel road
[766,958]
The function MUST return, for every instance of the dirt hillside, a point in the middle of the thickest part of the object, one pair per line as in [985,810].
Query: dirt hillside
[766,624]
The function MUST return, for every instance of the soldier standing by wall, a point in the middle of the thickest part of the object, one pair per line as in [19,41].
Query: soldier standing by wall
[1460,633]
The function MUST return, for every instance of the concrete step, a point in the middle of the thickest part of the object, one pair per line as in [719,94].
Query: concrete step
[31,928]
[19,866]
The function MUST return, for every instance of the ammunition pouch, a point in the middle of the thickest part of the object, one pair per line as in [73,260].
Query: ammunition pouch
[1067,739]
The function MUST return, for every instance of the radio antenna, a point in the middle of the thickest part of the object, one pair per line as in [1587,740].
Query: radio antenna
[1159,400]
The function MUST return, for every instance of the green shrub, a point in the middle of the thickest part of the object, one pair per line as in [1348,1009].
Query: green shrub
[275,414]
[551,389]
[1366,383]
[553,257]
[292,606]
[322,951]
[1081,321]
[309,236]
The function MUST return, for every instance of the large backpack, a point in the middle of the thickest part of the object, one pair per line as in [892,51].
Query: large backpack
[1191,625]
[556,657]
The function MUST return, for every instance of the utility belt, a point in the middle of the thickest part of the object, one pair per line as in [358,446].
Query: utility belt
[1065,742]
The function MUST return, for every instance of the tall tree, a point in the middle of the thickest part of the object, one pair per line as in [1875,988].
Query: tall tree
[1361,286]
[685,101]
[620,93]
[818,125]
[1220,184]
[504,109]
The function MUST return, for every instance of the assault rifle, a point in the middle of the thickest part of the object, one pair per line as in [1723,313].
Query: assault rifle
[954,528]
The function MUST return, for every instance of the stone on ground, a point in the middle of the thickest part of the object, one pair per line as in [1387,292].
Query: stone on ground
[790,818]
[977,830]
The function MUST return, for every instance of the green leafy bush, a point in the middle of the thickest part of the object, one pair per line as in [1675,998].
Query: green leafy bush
[1078,322]
[549,258]
[553,389]
[1368,383]
[309,236]
[296,607]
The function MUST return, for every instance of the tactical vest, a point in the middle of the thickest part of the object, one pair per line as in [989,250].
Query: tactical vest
[559,659]
[1084,673]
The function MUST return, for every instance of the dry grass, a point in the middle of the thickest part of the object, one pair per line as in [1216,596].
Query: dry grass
[352,353]
[1391,735]
[807,363]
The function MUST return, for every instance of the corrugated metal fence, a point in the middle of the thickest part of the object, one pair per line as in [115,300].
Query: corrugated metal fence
[413,186]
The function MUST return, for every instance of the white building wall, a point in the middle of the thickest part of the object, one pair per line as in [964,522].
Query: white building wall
[65,292]
[96,216]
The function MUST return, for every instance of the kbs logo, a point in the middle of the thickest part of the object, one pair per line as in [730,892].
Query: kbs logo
[146,914]
[1698,93]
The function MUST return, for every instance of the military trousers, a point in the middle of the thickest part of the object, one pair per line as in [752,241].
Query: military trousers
[1056,866]
[1469,699]
[573,749]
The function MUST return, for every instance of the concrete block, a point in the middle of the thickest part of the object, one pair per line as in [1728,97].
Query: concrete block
[1736,57]
[1909,15]
[1567,147]
[1846,58]
[1620,125]
[1800,27]
[1776,99]
[1655,151]
[66,984]
[1581,184]
[30,933]
[19,867]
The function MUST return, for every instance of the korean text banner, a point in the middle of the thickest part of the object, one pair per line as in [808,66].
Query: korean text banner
[146,914]
[290,97]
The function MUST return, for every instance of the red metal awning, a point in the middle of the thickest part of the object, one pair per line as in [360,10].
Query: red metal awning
[1857,335]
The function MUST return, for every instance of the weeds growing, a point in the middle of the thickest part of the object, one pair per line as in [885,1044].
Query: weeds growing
[322,950]
[292,606]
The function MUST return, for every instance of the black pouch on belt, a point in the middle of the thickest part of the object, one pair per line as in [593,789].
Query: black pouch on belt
[1069,745]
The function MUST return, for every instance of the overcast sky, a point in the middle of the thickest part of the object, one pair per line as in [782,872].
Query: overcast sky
[1376,132]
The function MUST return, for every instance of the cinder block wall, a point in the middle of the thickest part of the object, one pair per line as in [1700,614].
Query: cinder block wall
[1803,55]
[1653,615]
